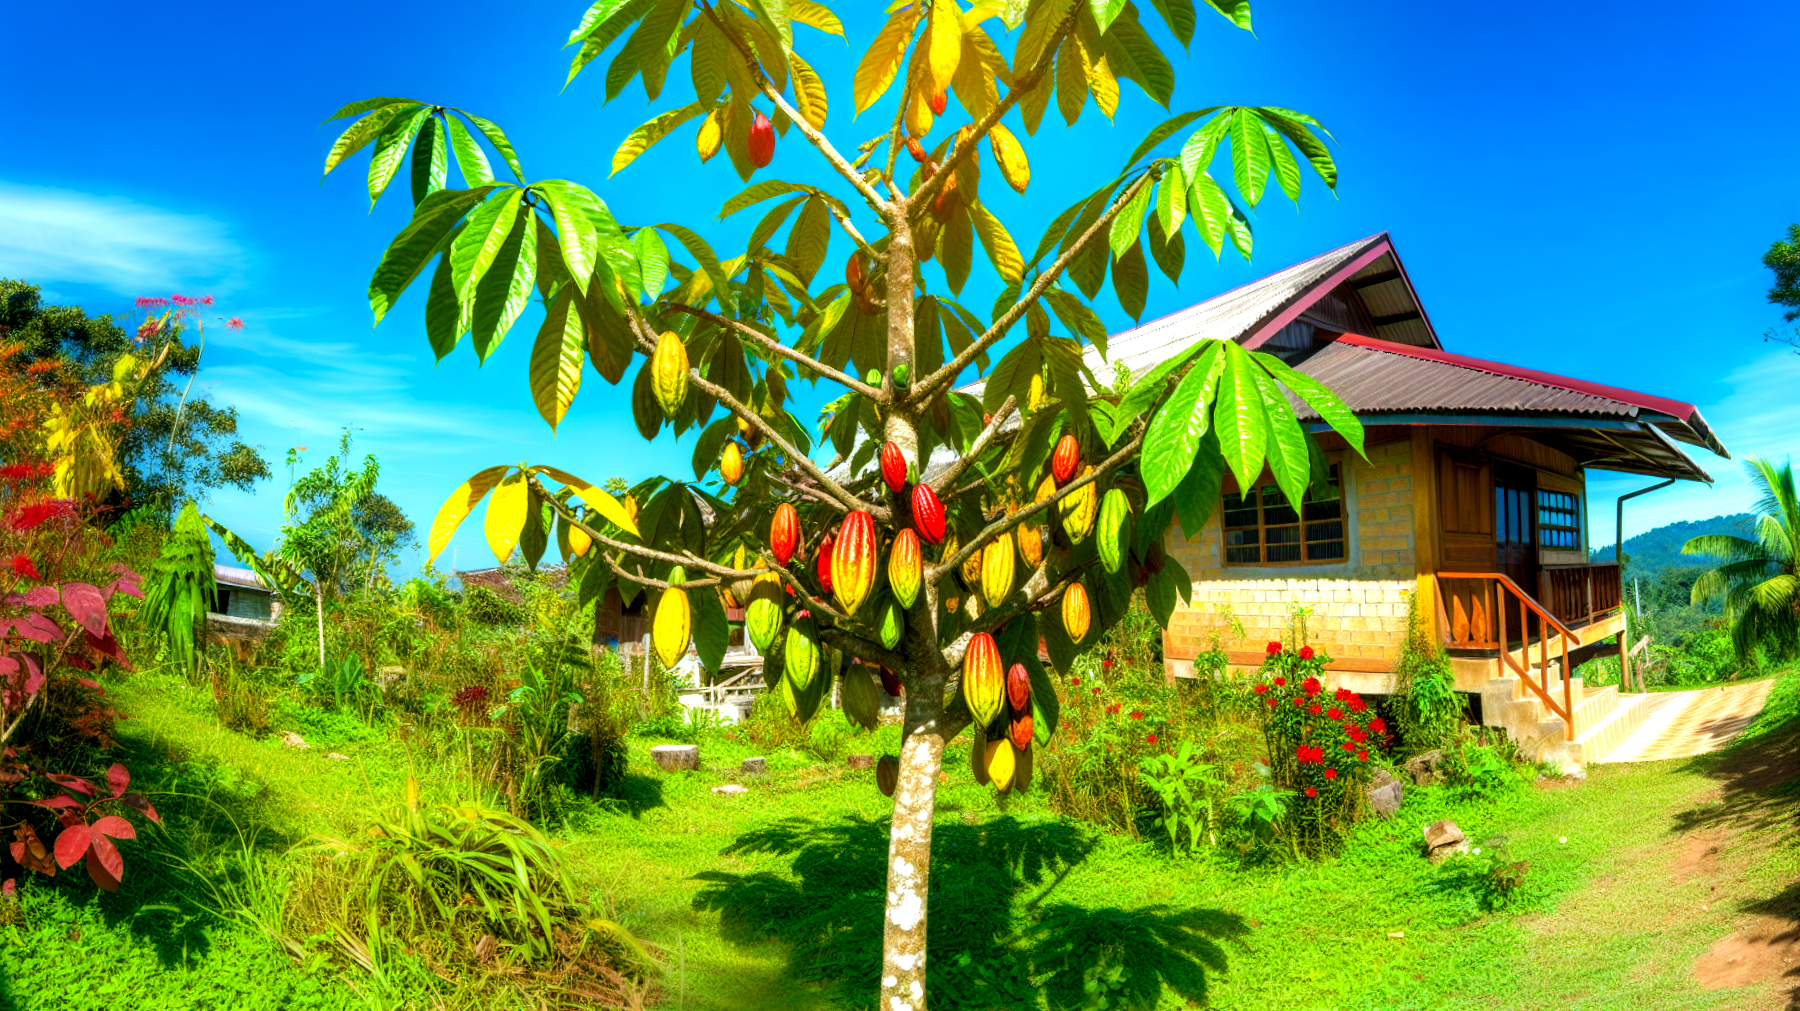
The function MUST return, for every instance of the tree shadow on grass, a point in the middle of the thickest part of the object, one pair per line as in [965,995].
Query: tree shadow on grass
[995,939]
[634,794]
[1759,784]
[1782,907]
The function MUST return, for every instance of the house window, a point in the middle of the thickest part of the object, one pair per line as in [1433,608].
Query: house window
[1559,520]
[1261,528]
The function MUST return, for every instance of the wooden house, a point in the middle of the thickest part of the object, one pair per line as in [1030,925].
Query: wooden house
[1473,496]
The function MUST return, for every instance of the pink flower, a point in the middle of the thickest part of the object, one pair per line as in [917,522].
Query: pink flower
[22,566]
[206,300]
[234,323]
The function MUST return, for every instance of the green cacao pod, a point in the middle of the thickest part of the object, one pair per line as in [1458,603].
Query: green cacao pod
[739,589]
[1077,611]
[669,372]
[803,700]
[1114,530]
[983,680]
[906,567]
[890,623]
[762,616]
[998,567]
[673,624]
[861,696]
[802,651]
[1002,764]
[853,561]
[887,775]
[1078,509]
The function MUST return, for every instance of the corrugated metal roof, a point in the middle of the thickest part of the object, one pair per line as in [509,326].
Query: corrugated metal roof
[1372,379]
[231,575]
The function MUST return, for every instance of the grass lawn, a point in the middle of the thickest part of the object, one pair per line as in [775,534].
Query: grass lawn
[773,898]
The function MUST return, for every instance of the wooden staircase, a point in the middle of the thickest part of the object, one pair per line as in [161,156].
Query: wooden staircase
[1525,689]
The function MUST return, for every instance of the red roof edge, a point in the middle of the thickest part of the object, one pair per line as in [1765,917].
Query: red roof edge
[1684,412]
[1378,244]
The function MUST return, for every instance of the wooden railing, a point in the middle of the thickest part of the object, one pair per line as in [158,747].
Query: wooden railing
[1474,609]
[1579,594]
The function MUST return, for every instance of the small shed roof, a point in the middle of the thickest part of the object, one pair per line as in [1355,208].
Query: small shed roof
[231,575]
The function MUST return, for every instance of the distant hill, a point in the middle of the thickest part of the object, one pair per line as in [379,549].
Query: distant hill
[1655,550]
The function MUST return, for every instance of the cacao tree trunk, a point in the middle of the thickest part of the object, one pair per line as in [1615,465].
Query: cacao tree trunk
[909,848]
[319,605]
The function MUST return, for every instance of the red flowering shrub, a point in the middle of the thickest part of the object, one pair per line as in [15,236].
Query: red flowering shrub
[1318,749]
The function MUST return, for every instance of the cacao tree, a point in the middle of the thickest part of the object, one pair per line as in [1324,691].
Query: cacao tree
[954,532]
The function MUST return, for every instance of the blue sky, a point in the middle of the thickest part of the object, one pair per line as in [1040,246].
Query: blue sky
[1586,192]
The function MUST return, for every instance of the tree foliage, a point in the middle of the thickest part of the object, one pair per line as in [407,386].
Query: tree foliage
[1758,577]
[724,336]
[176,447]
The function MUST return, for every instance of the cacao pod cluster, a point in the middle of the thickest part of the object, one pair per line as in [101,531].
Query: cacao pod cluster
[999,698]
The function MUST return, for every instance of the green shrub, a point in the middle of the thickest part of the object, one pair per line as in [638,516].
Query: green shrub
[1428,711]
[321,728]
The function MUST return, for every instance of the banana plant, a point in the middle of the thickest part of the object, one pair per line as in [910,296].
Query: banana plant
[951,531]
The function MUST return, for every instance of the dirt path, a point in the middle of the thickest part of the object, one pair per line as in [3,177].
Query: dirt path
[1683,724]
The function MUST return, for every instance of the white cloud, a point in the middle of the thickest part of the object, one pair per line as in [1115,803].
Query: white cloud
[51,235]
[1757,416]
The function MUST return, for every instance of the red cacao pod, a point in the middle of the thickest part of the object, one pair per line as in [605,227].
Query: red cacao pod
[890,682]
[761,141]
[928,514]
[1018,689]
[983,680]
[1020,731]
[1066,460]
[906,567]
[853,561]
[822,564]
[784,532]
[893,467]
[940,102]
[914,148]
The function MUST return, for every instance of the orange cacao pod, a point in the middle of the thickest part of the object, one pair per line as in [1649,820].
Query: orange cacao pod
[784,532]
[853,561]
[928,514]
[893,467]
[1076,612]
[939,102]
[905,567]
[983,681]
[1020,731]
[1018,688]
[1066,460]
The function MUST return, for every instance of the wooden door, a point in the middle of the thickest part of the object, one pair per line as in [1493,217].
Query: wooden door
[1515,533]
[1465,512]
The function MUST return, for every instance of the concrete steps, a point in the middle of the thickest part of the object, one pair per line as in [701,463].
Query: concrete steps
[1602,718]
[1599,740]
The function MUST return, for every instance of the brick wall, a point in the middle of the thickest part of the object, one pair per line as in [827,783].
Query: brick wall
[1359,611]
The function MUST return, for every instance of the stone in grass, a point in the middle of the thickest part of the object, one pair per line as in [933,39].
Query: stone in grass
[1424,768]
[754,766]
[730,790]
[1443,839]
[676,757]
[293,740]
[334,756]
[1386,793]
[860,761]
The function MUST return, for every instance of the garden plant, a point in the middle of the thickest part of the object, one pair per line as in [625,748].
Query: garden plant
[954,528]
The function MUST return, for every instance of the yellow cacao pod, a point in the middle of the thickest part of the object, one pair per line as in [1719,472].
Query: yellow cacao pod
[1077,613]
[673,625]
[669,372]
[579,541]
[997,569]
[1002,764]
[731,463]
[971,571]
[762,616]
[710,138]
[853,561]
[983,679]
[1031,543]
[1078,510]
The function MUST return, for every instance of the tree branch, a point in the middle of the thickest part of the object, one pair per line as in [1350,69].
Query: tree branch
[843,221]
[777,348]
[1009,520]
[861,647]
[923,389]
[1014,92]
[723,396]
[980,446]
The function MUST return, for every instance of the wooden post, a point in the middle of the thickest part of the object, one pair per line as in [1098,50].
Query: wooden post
[1425,524]
[1568,677]
[1625,663]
